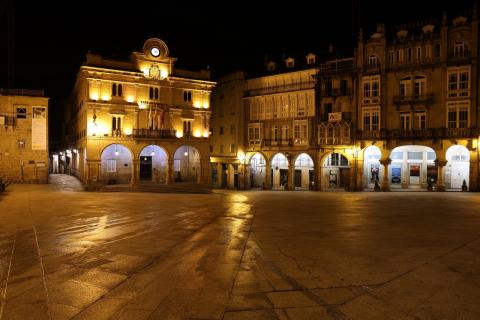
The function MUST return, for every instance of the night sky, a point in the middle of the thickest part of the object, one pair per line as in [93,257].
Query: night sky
[51,40]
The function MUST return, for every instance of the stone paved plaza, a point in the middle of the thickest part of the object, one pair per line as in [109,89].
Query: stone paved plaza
[68,254]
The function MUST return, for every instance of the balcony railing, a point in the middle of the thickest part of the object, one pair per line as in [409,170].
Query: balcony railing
[432,133]
[413,98]
[281,142]
[371,68]
[153,134]
[337,92]
[459,57]
[278,89]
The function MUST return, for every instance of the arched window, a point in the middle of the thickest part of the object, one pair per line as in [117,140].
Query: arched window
[185,96]
[373,61]
[114,90]
[151,93]
[189,96]
[156,93]
[120,90]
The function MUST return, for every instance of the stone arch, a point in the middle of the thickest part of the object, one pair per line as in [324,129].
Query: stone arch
[412,167]
[304,174]
[186,164]
[153,164]
[372,170]
[258,167]
[116,164]
[458,167]
[279,171]
[335,169]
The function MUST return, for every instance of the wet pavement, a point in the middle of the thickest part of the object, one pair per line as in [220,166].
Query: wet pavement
[68,254]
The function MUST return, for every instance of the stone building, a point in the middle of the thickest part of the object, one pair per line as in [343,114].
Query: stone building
[228,131]
[24,135]
[417,107]
[139,120]
[401,113]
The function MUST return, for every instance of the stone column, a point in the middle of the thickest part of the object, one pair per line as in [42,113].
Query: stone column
[316,175]
[135,171]
[170,178]
[440,163]
[291,174]
[230,176]
[205,175]
[385,185]
[359,181]
[473,182]
[268,185]
[219,175]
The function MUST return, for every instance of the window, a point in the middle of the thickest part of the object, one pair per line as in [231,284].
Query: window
[120,90]
[232,129]
[254,135]
[405,121]
[156,93]
[400,55]
[116,126]
[428,52]
[420,120]
[420,87]
[373,61]
[418,53]
[405,87]
[391,57]
[274,136]
[459,50]
[409,54]
[300,132]
[211,148]
[458,114]
[459,82]
[185,96]
[114,89]
[371,90]
[221,131]
[220,148]
[187,127]
[150,93]
[232,148]
[21,113]
[111,165]
[189,96]
[371,119]
[285,132]
[343,87]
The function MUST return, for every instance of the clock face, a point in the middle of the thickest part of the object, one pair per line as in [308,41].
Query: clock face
[155,51]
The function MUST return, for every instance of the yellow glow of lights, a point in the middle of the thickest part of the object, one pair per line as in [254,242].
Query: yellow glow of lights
[241,156]
[205,105]
[105,97]
[129,99]
[142,106]
[128,131]
[98,129]
[179,134]
[163,74]
[197,104]
[205,134]
[94,96]
[197,134]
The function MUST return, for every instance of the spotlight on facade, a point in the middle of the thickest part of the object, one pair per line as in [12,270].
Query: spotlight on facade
[186,153]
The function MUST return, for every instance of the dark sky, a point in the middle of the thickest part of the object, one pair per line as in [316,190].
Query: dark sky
[51,38]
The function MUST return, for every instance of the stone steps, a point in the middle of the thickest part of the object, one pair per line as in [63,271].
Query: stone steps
[158,188]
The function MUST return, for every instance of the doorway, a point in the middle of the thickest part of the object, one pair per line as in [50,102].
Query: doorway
[146,168]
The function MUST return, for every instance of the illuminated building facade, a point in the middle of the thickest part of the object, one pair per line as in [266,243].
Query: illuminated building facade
[140,119]
[24,135]
[402,113]
[417,106]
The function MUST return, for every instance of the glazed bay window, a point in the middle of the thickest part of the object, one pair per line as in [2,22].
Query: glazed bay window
[254,137]
[300,132]
[371,90]
[459,82]
[371,119]
[457,116]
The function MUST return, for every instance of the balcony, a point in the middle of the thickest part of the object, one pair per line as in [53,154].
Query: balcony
[371,68]
[274,143]
[278,89]
[410,134]
[413,99]
[153,134]
[453,133]
[337,93]
[459,57]
[371,135]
